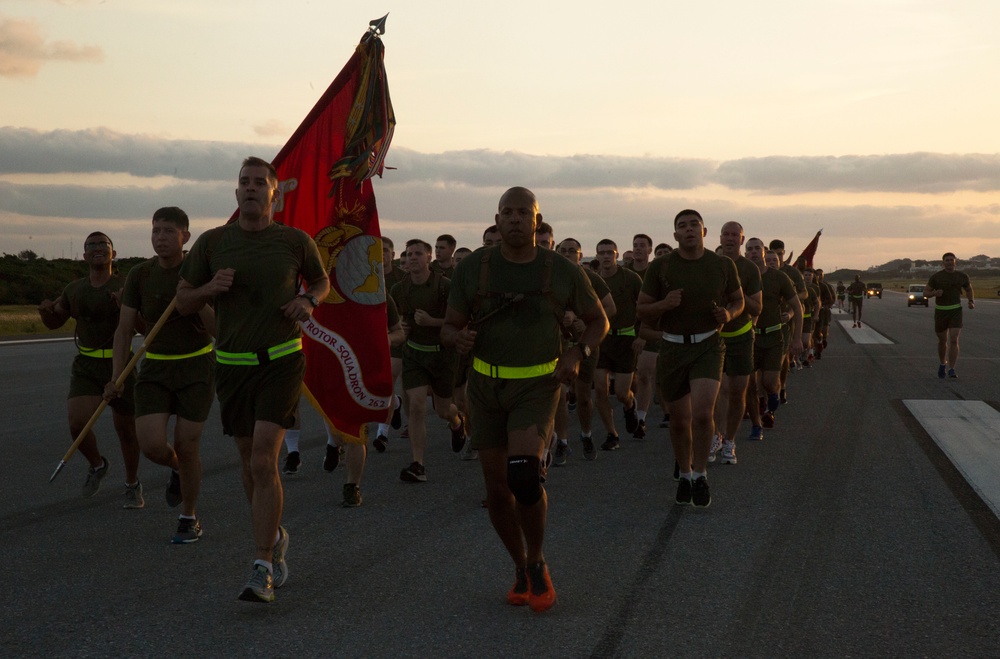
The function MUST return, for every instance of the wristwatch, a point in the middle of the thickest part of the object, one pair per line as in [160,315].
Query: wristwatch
[585,349]
[311,298]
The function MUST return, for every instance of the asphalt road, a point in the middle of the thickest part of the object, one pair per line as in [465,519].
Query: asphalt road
[847,532]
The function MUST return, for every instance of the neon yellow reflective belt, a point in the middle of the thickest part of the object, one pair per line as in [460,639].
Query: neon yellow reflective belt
[625,331]
[936,307]
[743,330]
[513,372]
[807,315]
[259,357]
[422,347]
[153,355]
[768,330]
[106,353]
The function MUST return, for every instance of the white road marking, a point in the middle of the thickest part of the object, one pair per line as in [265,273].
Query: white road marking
[863,334]
[968,431]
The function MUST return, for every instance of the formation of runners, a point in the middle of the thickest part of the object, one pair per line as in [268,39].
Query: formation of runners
[503,343]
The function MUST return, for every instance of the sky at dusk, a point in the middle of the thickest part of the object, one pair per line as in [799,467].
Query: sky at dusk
[873,120]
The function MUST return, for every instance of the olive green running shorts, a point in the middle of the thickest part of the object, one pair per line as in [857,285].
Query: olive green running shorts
[185,387]
[269,392]
[499,406]
[88,377]
[679,363]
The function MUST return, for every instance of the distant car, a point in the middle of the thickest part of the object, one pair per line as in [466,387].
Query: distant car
[875,290]
[915,295]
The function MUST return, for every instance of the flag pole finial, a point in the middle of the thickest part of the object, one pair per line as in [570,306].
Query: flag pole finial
[376,28]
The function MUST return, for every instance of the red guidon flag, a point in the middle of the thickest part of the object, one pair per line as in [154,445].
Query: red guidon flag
[324,174]
[805,259]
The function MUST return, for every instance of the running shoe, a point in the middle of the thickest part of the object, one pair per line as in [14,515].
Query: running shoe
[405,432]
[381,443]
[292,463]
[942,371]
[415,473]
[859,323]
[332,458]
[571,401]
[666,421]
[631,418]
[728,453]
[133,496]
[767,419]
[951,373]
[640,430]
[611,443]
[174,497]
[352,496]
[756,434]
[854,326]
[716,445]
[807,364]
[94,477]
[541,594]
[458,437]
[188,531]
[397,416]
[260,587]
[562,452]
[683,497]
[470,453]
[278,558]
[700,496]
[589,452]
[518,593]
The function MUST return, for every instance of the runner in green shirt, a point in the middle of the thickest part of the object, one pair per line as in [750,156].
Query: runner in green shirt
[176,376]
[507,306]
[947,286]
[689,295]
[93,302]
[856,295]
[251,270]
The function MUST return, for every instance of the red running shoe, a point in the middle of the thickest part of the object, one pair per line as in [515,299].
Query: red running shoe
[518,593]
[541,594]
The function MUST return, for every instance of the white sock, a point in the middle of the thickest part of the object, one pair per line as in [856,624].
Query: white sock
[292,440]
[383,429]
[584,434]
[267,564]
[686,475]
[641,415]
[329,437]
[699,474]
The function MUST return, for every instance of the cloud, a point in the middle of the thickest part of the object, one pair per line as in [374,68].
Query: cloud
[483,167]
[588,197]
[104,150]
[910,172]
[212,198]
[271,128]
[23,49]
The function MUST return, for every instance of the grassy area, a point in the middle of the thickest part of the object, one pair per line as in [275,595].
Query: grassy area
[21,319]
[985,287]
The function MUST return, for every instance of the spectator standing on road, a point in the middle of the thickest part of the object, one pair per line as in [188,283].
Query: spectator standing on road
[947,286]
[93,301]
[251,269]
[507,306]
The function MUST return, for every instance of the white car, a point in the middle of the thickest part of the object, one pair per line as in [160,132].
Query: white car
[915,295]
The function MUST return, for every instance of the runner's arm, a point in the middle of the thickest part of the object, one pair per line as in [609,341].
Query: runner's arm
[121,348]
[54,314]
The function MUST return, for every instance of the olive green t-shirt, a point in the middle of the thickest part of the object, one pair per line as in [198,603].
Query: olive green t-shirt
[526,332]
[750,282]
[393,277]
[856,289]
[642,273]
[707,282]
[597,281]
[776,290]
[811,304]
[447,272]
[624,286]
[95,311]
[267,264]
[430,296]
[951,283]
[391,313]
[149,289]
[797,281]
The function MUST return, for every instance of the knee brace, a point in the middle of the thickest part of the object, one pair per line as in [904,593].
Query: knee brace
[523,478]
